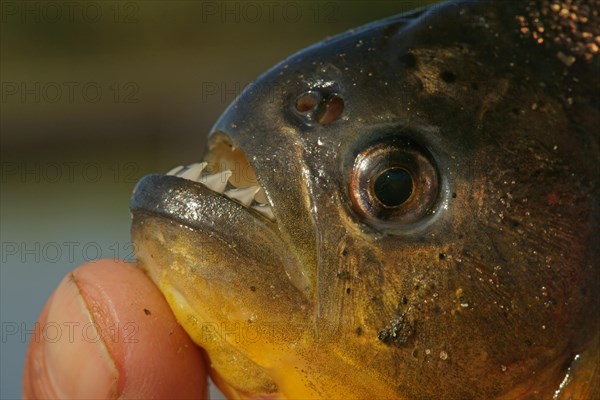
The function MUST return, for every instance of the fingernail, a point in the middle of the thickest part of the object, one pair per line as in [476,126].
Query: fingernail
[78,362]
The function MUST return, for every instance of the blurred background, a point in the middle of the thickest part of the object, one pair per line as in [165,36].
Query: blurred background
[97,94]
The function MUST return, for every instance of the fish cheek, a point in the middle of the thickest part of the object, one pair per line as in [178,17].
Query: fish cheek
[404,301]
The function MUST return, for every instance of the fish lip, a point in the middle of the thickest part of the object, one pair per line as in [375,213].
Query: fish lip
[190,203]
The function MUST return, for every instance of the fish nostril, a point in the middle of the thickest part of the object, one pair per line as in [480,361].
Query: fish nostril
[334,108]
[307,101]
[318,106]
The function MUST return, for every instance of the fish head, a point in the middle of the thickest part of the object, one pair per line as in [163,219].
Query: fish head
[408,210]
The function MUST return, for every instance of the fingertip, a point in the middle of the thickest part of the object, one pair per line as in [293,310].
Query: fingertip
[125,330]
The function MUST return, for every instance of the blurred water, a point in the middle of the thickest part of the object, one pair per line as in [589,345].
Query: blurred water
[92,102]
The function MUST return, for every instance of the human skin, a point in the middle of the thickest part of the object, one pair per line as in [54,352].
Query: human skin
[142,351]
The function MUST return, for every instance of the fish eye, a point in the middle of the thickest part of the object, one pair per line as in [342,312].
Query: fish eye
[394,182]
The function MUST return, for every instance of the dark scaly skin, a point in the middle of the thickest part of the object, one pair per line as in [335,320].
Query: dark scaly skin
[492,297]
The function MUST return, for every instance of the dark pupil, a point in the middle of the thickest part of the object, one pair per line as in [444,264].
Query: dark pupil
[393,187]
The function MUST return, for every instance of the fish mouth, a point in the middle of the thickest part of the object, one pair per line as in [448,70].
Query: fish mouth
[224,184]
[206,235]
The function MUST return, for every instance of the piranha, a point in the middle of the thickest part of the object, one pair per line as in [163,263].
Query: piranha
[408,210]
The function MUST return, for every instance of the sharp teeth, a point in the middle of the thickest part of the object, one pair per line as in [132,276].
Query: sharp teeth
[216,182]
[244,196]
[175,170]
[265,210]
[261,197]
[193,171]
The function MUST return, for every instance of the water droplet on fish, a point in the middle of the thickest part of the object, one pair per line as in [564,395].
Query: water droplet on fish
[443,355]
